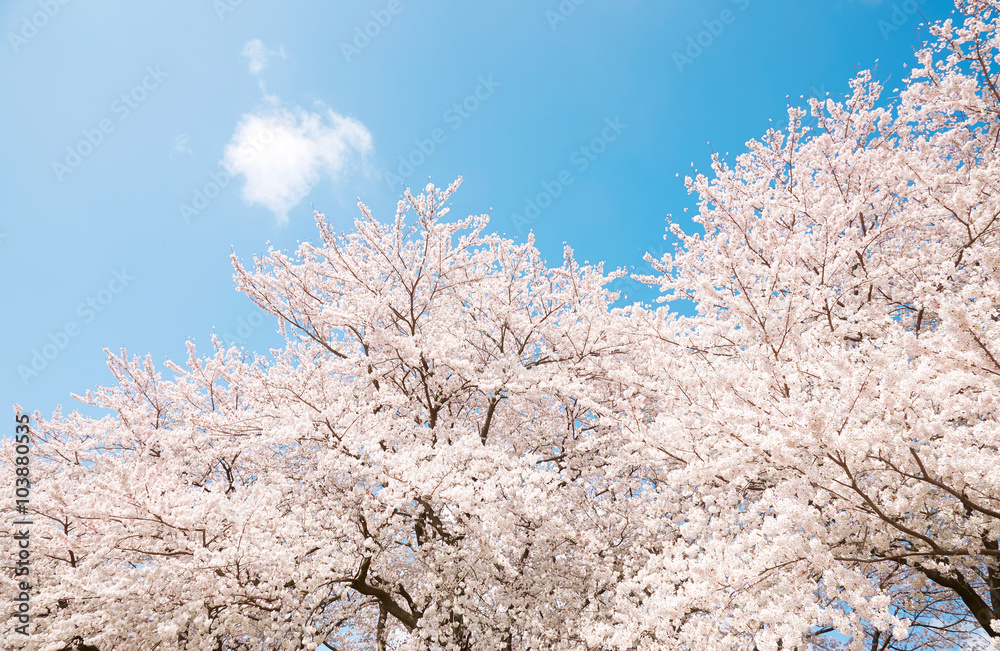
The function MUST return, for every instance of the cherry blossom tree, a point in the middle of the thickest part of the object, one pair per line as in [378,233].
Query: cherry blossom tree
[441,456]
[832,406]
[460,447]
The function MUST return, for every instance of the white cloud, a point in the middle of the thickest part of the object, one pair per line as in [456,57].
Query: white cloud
[282,152]
[259,55]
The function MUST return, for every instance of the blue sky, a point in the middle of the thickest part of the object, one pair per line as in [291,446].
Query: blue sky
[142,143]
